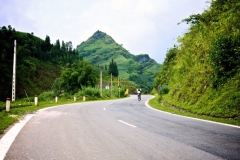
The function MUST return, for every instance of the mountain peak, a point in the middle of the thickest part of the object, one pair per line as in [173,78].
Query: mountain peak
[99,37]
[99,34]
[142,58]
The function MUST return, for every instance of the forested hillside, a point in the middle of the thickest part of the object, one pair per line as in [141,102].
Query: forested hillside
[202,72]
[101,48]
[50,69]
[38,62]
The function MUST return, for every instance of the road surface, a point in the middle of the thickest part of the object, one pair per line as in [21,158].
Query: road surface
[121,130]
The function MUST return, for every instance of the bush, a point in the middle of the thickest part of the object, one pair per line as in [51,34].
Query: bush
[94,93]
[66,95]
[164,90]
[89,92]
[46,96]
[225,58]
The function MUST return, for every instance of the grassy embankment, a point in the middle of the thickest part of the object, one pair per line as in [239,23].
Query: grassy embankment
[160,106]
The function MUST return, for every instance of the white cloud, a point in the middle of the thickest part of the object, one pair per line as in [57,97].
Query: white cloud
[142,26]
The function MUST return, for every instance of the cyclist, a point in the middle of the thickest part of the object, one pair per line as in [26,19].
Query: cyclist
[139,93]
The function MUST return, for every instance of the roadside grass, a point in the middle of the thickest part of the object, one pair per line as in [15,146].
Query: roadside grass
[155,104]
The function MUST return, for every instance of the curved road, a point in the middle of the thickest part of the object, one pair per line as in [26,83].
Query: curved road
[121,129]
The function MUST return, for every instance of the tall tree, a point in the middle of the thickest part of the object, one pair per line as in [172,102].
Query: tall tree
[58,44]
[105,67]
[69,46]
[47,44]
[63,47]
[113,69]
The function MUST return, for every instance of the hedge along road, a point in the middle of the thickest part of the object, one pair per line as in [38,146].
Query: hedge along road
[121,129]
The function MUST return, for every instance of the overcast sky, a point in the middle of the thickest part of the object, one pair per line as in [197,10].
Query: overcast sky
[142,26]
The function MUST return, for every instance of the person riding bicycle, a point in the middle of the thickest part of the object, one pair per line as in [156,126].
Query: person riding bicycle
[139,92]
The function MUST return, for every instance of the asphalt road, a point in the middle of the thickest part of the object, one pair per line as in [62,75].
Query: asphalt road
[121,129]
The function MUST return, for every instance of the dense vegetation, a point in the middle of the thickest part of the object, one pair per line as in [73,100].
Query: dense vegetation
[38,62]
[202,72]
[100,48]
[74,77]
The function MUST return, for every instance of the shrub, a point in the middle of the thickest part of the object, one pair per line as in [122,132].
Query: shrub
[225,58]
[89,92]
[46,96]
[164,90]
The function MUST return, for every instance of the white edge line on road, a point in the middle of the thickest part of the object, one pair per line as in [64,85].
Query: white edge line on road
[127,123]
[7,140]
[146,103]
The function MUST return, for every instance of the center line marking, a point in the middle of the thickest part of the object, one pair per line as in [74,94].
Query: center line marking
[127,123]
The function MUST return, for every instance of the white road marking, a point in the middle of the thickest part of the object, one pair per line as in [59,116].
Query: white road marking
[9,137]
[127,123]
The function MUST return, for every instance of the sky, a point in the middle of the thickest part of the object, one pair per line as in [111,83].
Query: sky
[142,26]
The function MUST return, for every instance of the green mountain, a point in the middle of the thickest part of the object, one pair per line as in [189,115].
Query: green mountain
[202,73]
[101,48]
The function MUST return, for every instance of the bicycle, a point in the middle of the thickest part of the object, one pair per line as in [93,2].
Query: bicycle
[139,97]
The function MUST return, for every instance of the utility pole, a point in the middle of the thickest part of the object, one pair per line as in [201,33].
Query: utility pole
[14,72]
[118,88]
[101,83]
[111,84]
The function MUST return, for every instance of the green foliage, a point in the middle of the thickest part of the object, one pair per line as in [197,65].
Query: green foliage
[75,77]
[46,96]
[112,69]
[89,92]
[142,81]
[225,58]
[164,90]
[166,72]
[193,19]
[94,93]
[6,121]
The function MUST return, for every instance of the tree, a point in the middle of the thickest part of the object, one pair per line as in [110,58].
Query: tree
[63,47]
[113,69]
[69,46]
[79,74]
[47,44]
[58,44]
[105,67]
